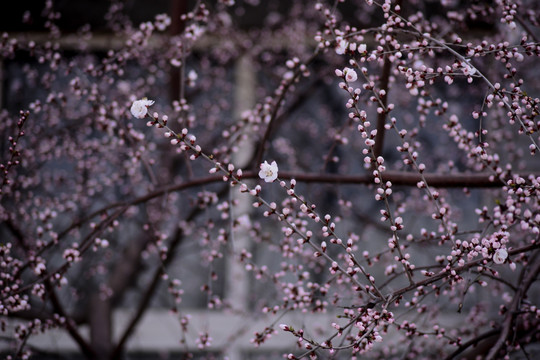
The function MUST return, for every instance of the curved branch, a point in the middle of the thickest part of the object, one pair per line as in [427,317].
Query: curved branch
[156,278]
[147,297]
[534,270]
[277,106]
[77,337]
[472,342]
[471,180]
[525,27]
[459,269]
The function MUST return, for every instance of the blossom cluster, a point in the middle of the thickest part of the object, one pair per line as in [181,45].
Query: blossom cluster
[404,209]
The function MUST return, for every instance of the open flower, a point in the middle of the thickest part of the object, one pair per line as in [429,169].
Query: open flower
[350,75]
[139,109]
[268,171]
[341,46]
[500,256]
[468,69]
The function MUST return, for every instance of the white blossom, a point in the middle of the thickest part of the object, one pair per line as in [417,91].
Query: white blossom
[192,77]
[139,109]
[500,256]
[269,172]
[362,48]
[350,75]
[468,70]
[342,46]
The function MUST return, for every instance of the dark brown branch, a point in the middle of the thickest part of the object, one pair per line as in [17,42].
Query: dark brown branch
[397,178]
[126,269]
[458,270]
[84,246]
[472,342]
[401,178]
[277,106]
[147,297]
[17,232]
[177,8]
[79,222]
[31,314]
[150,291]
[526,27]
[381,117]
[472,180]
[59,309]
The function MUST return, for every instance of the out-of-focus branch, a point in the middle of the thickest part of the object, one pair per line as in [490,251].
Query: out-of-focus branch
[69,323]
[400,178]
[473,342]
[14,153]
[526,27]
[126,269]
[381,117]
[177,9]
[151,289]
[277,106]
[147,296]
[17,232]
[532,270]
[84,246]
